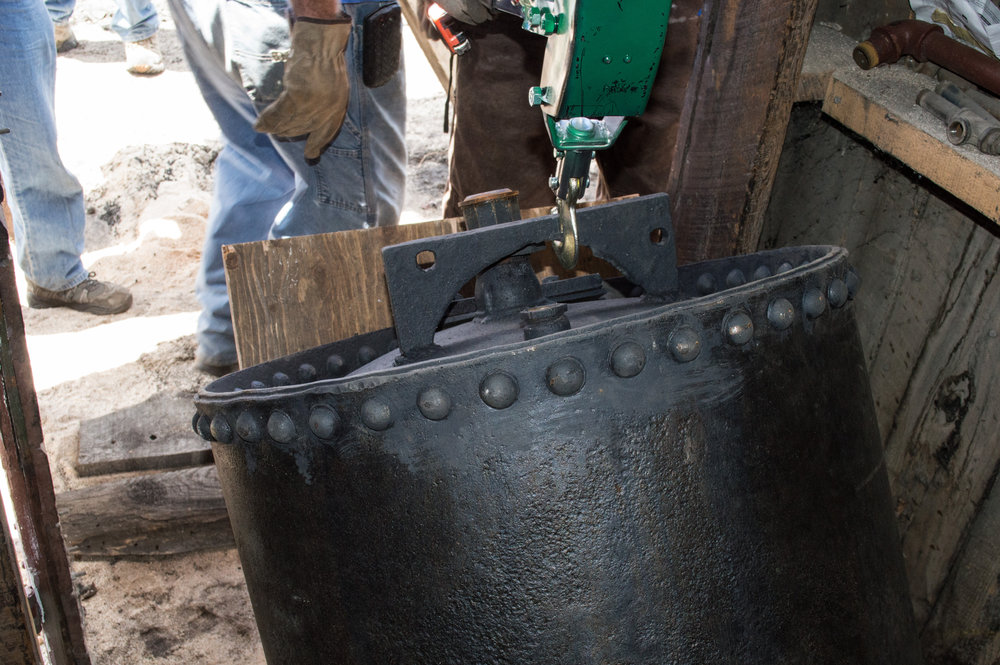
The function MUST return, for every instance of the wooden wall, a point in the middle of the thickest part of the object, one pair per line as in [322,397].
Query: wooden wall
[929,313]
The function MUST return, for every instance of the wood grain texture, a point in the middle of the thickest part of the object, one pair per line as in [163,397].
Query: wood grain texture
[17,635]
[152,435]
[148,515]
[437,54]
[733,123]
[292,294]
[880,105]
[927,316]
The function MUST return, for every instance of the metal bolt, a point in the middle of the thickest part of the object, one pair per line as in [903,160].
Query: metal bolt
[628,359]
[323,421]
[306,373]
[781,313]
[738,327]
[853,281]
[685,344]
[281,379]
[247,427]
[762,272]
[335,365]
[434,403]
[366,354]
[785,267]
[837,293]
[813,303]
[220,429]
[280,427]
[376,415]
[565,376]
[538,95]
[735,278]
[498,390]
[544,320]
[203,428]
[706,284]
[257,385]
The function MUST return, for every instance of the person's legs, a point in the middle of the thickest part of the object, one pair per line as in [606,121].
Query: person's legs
[60,10]
[134,20]
[46,201]
[359,181]
[252,182]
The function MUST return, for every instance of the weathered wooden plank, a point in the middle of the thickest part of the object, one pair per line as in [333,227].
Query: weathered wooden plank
[291,294]
[828,51]
[733,123]
[436,52]
[927,315]
[151,435]
[26,469]
[148,515]
[17,634]
[880,106]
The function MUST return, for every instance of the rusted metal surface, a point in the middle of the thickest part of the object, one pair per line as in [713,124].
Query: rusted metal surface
[691,478]
[927,42]
[27,469]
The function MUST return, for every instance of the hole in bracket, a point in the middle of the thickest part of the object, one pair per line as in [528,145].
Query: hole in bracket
[426,260]
[658,236]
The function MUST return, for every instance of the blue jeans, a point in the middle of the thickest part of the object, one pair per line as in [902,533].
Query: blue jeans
[133,20]
[45,199]
[263,186]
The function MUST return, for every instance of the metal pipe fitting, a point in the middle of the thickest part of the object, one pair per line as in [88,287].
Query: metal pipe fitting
[963,125]
[927,42]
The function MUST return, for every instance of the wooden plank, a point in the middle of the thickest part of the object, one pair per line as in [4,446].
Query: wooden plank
[828,51]
[26,468]
[291,294]
[151,435]
[17,634]
[880,106]
[148,515]
[437,54]
[733,122]
[927,317]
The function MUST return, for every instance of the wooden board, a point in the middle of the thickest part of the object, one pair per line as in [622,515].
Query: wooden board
[880,106]
[291,294]
[148,515]
[739,97]
[829,51]
[927,313]
[434,50]
[154,434]
[17,634]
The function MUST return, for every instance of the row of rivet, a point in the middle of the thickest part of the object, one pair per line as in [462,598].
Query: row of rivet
[499,390]
[307,373]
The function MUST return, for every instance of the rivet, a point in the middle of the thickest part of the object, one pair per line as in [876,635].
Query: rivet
[434,403]
[376,415]
[257,385]
[247,428]
[366,354]
[628,359]
[194,423]
[203,428]
[499,390]
[685,344]
[735,278]
[813,303]
[220,429]
[837,293]
[785,267]
[335,365]
[306,373]
[565,376]
[323,421]
[281,379]
[762,272]
[853,281]
[280,427]
[706,284]
[738,327]
[781,313]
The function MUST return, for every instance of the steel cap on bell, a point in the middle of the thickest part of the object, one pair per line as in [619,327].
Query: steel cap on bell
[692,474]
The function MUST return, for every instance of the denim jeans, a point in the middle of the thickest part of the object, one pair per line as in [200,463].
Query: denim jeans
[46,201]
[134,20]
[263,186]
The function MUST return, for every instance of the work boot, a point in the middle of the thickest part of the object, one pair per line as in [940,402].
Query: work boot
[65,39]
[214,365]
[89,296]
[143,57]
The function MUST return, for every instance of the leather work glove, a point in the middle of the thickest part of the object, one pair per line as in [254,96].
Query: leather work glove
[469,11]
[316,87]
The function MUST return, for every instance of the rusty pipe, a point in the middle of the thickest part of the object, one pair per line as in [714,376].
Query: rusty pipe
[927,42]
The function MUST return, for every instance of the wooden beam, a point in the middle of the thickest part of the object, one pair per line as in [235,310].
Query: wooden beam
[438,55]
[733,124]
[27,470]
[292,294]
[17,635]
[149,515]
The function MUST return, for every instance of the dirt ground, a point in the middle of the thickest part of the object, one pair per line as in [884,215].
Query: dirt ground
[143,149]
